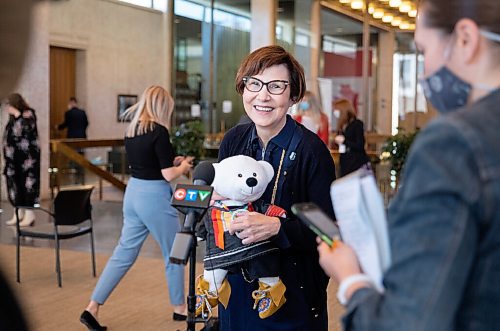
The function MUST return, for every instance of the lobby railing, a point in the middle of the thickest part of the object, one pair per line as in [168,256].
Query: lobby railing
[68,148]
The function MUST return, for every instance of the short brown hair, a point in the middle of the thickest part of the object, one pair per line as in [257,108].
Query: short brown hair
[266,57]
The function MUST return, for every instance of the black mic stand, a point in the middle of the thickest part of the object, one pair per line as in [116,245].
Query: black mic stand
[184,249]
[193,201]
[191,298]
[186,240]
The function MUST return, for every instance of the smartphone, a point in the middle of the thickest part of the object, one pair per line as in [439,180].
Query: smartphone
[311,215]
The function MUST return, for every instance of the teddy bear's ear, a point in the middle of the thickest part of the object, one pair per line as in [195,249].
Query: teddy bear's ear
[268,168]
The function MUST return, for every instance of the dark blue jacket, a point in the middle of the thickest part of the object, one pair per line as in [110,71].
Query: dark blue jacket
[306,175]
[76,121]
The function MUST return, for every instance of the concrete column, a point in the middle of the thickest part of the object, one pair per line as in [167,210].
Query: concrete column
[383,109]
[168,30]
[315,45]
[263,31]
[366,115]
[34,86]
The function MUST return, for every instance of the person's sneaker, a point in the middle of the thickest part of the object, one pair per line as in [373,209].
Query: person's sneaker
[269,299]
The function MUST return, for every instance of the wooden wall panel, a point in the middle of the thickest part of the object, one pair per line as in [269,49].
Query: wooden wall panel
[62,85]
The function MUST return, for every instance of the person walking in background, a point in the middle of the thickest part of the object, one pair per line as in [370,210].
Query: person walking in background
[75,120]
[312,117]
[21,150]
[146,205]
[350,138]
[270,81]
[76,123]
[444,223]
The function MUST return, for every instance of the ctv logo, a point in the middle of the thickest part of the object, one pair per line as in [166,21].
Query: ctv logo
[190,195]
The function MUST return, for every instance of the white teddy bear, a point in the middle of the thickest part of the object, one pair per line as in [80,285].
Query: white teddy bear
[242,180]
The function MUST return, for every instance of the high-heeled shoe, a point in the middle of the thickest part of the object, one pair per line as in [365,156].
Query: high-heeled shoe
[28,219]
[179,317]
[90,322]
[13,219]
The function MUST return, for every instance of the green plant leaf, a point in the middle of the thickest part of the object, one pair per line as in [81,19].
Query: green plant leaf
[188,138]
[396,149]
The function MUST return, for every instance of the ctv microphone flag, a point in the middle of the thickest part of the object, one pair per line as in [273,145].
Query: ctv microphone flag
[187,196]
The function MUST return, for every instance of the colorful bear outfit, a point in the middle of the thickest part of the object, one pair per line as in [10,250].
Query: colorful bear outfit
[226,251]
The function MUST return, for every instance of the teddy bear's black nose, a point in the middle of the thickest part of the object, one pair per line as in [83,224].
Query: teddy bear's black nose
[252,182]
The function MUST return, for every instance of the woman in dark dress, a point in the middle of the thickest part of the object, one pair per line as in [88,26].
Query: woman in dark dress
[22,158]
[350,138]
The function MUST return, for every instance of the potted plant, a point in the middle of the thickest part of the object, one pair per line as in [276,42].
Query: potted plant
[395,151]
[187,139]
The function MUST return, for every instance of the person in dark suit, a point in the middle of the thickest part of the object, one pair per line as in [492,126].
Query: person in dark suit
[350,138]
[75,120]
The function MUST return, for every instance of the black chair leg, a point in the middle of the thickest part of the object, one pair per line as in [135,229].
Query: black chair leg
[58,264]
[18,260]
[93,252]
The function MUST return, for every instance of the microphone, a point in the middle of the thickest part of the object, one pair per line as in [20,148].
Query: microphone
[204,173]
[193,201]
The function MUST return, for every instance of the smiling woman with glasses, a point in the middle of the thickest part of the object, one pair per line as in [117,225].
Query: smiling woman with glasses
[303,172]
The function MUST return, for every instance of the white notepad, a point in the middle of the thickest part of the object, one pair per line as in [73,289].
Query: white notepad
[362,220]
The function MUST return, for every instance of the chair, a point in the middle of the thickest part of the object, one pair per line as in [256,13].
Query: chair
[71,216]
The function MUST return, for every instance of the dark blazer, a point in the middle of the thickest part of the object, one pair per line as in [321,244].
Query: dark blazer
[306,175]
[355,155]
[76,121]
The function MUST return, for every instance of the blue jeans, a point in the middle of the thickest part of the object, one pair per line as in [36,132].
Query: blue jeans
[146,209]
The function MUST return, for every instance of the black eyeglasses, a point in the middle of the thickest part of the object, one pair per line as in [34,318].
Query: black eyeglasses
[275,87]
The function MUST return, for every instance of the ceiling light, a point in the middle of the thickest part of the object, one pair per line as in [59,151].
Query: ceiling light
[394,3]
[357,4]
[378,13]
[387,18]
[405,7]
[344,1]
[396,21]
[412,13]
[404,25]
[371,9]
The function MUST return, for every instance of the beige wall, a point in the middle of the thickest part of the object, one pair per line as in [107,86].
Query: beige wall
[121,50]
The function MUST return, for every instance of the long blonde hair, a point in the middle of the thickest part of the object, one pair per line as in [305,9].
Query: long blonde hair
[155,105]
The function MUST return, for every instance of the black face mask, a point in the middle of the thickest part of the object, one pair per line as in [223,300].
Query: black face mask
[446,91]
